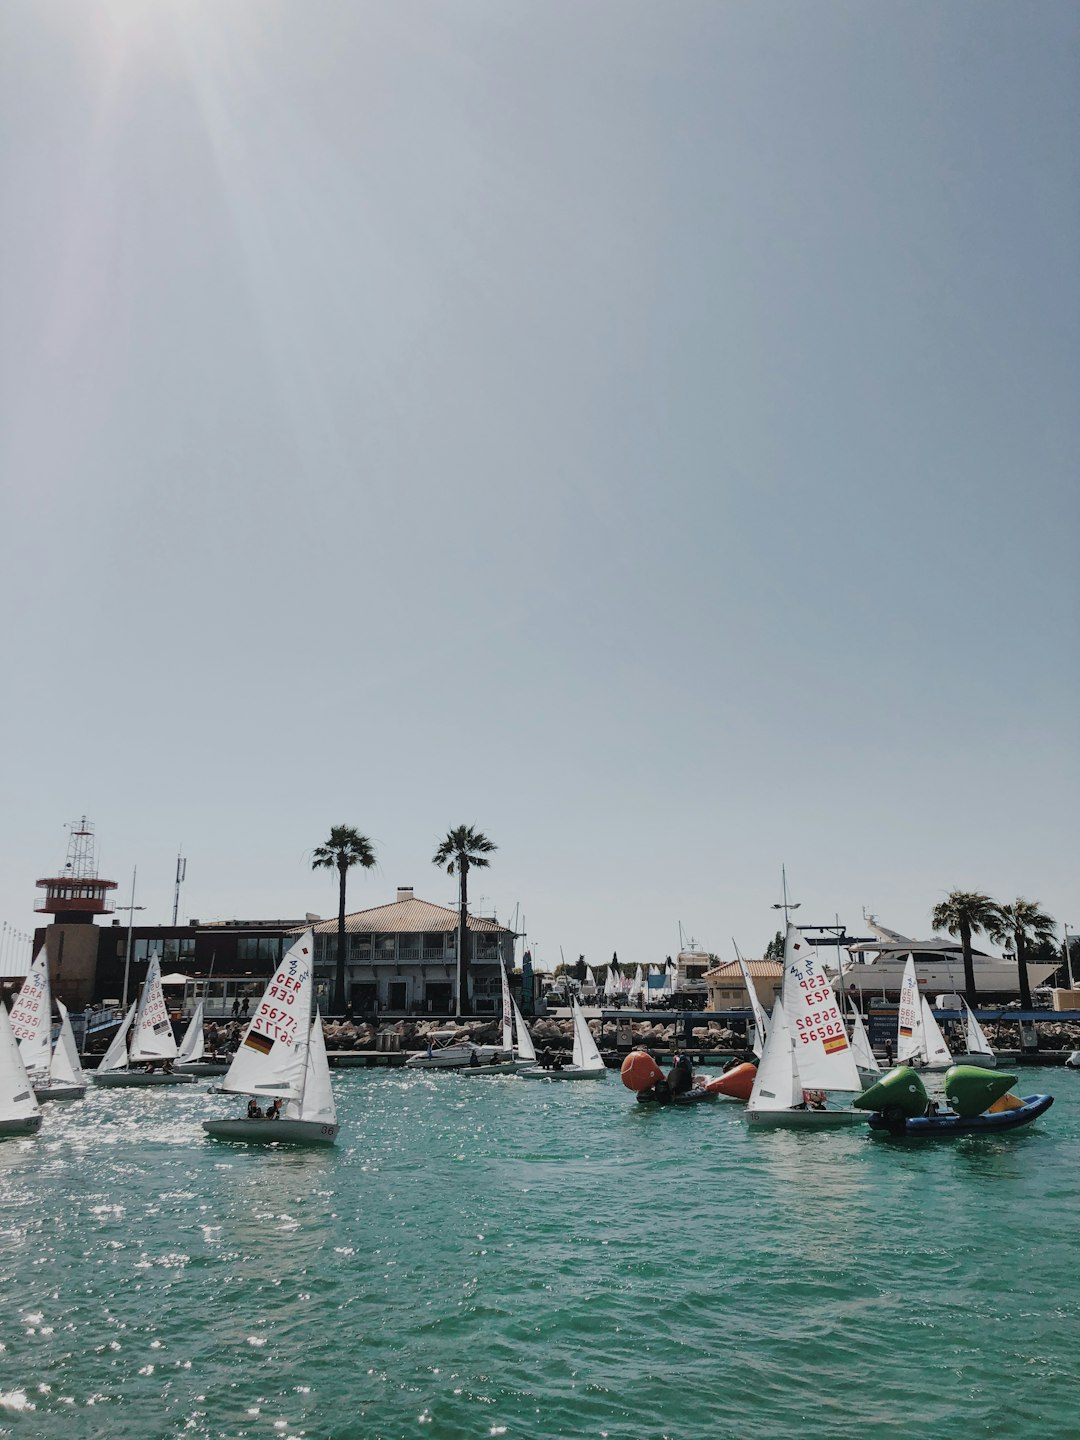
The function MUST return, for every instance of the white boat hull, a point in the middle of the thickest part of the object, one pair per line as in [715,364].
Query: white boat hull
[1073,1062]
[503,1067]
[568,1072]
[142,1078]
[453,1057]
[868,1077]
[806,1119]
[272,1132]
[27,1125]
[980,1058]
[59,1092]
[937,976]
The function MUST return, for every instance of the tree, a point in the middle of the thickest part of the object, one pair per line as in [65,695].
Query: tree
[344,849]
[580,970]
[962,913]
[463,849]
[775,948]
[1017,924]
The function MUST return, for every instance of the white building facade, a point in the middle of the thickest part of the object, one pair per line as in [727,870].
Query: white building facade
[401,958]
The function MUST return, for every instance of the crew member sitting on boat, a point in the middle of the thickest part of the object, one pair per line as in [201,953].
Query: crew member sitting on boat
[254,1113]
[681,1075]
[273,1112]
[474,1059]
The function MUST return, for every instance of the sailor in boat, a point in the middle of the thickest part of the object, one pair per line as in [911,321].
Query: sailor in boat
[273,1112]
[474,1059]
[253,1111]
[681,1076]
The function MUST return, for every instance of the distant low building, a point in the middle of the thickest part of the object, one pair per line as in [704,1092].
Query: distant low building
[727,991]
[402,958]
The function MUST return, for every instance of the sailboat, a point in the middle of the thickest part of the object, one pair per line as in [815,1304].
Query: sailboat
[152,1041]
[282,1057]
[191,1056]
[501,1061]
[587,1062]
[807,1060]
[978,1046]
[55,1073]
[761,1024]
[919,1041]
[20,1113]
[866,1062]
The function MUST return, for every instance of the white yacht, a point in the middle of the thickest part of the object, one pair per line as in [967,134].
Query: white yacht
[874,968]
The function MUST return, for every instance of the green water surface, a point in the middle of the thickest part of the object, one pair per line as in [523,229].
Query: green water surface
[497,1257]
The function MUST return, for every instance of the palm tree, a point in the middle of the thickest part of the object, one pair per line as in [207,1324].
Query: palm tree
[345,848]
[1017,924]
[463,849]
[963,912]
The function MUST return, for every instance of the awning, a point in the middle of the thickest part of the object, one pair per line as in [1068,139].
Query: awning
[175,978]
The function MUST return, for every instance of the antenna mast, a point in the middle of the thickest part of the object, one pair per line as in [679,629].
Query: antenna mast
[786,905]
[181,876]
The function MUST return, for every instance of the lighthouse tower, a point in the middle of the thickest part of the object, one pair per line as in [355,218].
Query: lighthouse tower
[74,898]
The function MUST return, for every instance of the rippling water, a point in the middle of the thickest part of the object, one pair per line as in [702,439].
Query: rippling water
[497,1257]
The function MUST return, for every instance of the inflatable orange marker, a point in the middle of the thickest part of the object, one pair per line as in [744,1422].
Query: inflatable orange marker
[736,1083]
[640,1071]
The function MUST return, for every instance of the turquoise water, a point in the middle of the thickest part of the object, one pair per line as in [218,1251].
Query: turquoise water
[496,1257]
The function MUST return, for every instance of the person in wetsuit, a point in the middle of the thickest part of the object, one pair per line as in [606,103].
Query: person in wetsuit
[681,1075]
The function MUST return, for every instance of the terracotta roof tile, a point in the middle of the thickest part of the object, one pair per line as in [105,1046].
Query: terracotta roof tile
[406,917]
[759,970]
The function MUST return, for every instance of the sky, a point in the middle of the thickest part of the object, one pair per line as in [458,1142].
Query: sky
[647,432]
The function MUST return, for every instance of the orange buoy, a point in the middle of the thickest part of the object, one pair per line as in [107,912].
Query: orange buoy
[640,1071]
[737,1082]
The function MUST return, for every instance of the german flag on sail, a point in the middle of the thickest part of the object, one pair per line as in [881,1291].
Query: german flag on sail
[262,1043]
[905,1030]
[835,1043]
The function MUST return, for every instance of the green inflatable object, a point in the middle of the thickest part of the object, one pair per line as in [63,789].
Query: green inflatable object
[970,1090]
[900,1089]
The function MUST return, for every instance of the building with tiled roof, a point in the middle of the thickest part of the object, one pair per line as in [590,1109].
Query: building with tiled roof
[402,957]
[728,992]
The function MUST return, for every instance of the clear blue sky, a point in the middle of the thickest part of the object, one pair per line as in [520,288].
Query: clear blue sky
[646,431]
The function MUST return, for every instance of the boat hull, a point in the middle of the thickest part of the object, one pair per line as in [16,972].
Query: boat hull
[927,1126]
[452,1057]
[504,1067]
[141,1078]
[697,1096]
[59,1092]
[28,1125]
[805,1119]
[204,1067]
[980,1059]
[568,1072]
[272,1132]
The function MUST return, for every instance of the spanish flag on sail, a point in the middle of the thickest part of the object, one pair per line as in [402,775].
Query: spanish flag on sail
[835,1043]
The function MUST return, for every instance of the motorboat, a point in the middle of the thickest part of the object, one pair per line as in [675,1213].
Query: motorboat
[875,968]
[446,1050]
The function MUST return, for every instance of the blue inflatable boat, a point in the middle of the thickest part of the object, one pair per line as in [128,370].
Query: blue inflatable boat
[946,1123]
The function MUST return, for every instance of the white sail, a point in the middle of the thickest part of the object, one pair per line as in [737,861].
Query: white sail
[909,1036]
[865,1058]
[586,1055]
[977,1043]
[17,1098]
[590,978]
[937,1052]
[819,1035]
[272,1056]
[66,1067]
[317,1102]
[116,1056]
[777,1085]
[152,1034]
[507,1013]
[761,1025]
[526,1050]
[31,1016]
[193,1045]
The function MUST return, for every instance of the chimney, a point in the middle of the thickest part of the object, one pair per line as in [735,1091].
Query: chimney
[404,892]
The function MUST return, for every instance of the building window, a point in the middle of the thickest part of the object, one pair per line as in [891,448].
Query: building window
[408,947]
[385,949]
[264,950]
[360,949]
